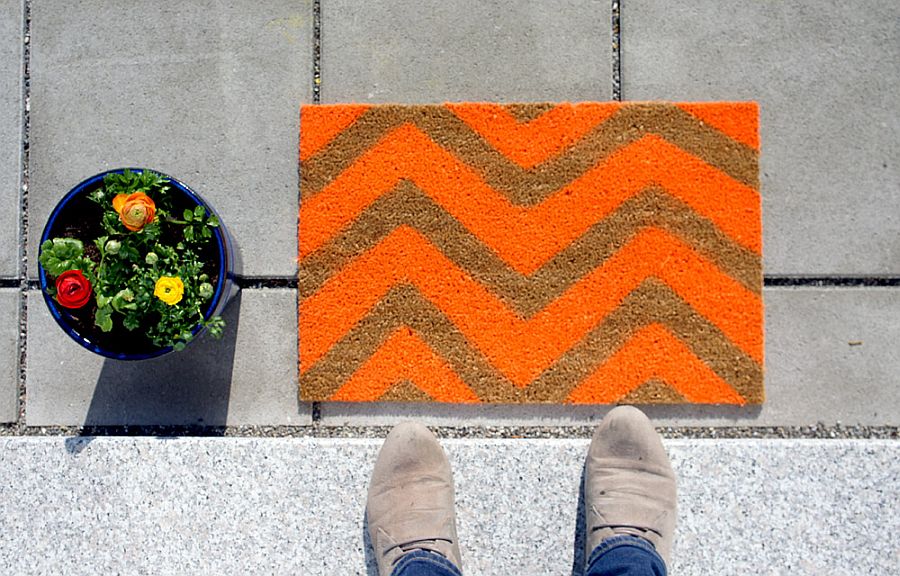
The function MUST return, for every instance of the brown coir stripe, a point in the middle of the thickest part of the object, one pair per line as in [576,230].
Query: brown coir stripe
[529,187]
[409,206]
[524,113]
[651,302]
[653,391]
[405,392]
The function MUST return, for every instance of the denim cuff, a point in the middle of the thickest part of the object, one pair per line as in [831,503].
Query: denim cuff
[431,561]
[622,540]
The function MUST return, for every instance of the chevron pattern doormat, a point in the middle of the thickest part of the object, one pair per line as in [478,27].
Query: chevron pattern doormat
[589,253]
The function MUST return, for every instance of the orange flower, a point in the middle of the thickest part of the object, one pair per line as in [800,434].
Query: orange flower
[135,210]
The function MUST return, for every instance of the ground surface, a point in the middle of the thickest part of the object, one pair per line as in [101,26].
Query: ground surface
[209,91]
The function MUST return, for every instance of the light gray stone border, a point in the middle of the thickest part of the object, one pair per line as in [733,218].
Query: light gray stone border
[317,430]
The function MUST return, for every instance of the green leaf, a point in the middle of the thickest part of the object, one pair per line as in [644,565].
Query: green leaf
[100,243]
[199,212]
[123,301]
[215,326]
[189,234]
[188,215]
[103,317]
[62,254]
[131,321]
[213,222]
[98,195]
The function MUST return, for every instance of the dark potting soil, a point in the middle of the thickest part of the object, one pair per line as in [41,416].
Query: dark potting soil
[81,220]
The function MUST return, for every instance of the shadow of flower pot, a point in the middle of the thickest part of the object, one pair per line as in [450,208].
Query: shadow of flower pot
[190,388]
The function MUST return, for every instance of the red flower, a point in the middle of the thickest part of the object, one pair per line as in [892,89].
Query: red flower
[72,289]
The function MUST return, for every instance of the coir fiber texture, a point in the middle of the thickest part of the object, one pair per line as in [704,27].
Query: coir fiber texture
[583,253]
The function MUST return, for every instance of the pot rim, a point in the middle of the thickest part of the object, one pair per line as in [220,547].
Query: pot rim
[220,233]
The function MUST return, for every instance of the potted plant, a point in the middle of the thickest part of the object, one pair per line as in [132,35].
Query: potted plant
[133,264]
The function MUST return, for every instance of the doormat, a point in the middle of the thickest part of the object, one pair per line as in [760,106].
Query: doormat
[585,253]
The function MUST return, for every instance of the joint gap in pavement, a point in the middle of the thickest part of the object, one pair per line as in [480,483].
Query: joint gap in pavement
[318,430]
[616,50]
[831,281]
[266,282]
[23,283]
[317,51]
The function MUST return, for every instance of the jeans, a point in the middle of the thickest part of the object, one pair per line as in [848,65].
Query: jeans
[625,556]
[616,556]
[424,563]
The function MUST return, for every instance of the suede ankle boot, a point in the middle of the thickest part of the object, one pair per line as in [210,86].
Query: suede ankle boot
[411,499]
[629,483]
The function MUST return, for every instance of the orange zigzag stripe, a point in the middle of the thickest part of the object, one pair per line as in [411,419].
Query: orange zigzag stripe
[527,237]
[528,144]
[654,352]
[320,124]
[404,356]
[737,120]
[523,349]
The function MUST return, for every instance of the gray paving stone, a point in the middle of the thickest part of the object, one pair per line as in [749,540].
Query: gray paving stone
[278,506]
[9,355]
[831,356]
[250,377]
[10,133]
[827,76]
[207,92]
[437,50]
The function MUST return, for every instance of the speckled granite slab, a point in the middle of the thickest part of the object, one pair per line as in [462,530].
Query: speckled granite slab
[278,506]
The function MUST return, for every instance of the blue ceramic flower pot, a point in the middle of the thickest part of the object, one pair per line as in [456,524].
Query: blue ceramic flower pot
[227,265]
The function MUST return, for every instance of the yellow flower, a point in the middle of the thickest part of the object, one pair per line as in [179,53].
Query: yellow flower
[169,289]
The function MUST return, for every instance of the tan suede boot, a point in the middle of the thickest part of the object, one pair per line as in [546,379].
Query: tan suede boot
[629,485]
[411,500]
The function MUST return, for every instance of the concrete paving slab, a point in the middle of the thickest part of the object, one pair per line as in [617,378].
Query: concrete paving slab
[831,356]
[207,92]
[9,355]
[249,377]
[278,506]
[416,51]
[827,78]
[11,73]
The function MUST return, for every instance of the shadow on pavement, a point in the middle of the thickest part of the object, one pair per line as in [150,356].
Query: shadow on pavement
[189,388]
[578,558]
[536,414]
[371,563]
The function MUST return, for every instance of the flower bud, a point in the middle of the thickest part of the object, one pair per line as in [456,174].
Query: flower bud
[151,258]
[113,246]
[206,290]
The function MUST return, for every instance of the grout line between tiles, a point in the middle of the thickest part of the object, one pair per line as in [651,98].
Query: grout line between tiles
[283,282]
[616,50]
[317,51]
[831,281]
[266,282]
[23,283]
